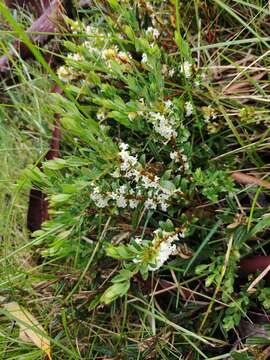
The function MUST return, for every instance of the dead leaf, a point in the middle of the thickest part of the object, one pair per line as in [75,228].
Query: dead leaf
[28,327]
[249,180]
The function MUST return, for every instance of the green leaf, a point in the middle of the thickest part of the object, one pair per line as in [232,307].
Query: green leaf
[168,185]
[258,340]
[263,224]
[59,198]
[210,279]
[115,291]
[183,46]
[124,275]
[94,303]
[55,164]
[119,252]
[201,268]
[241,356]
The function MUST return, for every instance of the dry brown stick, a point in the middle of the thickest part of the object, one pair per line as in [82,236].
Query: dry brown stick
[249,180]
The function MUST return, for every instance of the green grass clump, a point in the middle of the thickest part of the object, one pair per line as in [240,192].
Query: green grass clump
[140,258]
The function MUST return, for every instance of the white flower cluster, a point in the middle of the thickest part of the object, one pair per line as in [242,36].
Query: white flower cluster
[113,53]
[179,157]
[152,32]
[162,246]
[100,199]
[186,69]
[122,197]
[95,39]
[141,186]
[165,248]
[66,73]
[188,108]
[146,183]
[75,57]
[96,46]
[144,58]
[129,162]
[165,124]
[208,113]
[162,125]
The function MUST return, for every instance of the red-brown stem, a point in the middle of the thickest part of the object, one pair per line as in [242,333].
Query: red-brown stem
[38,203]
[47,22]
[252,264]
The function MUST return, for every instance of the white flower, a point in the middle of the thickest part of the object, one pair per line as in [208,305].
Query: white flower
[122,189]
[156,33]
[186,69]
[133,203]
[152,32]
[138,240]
[162,199]
[174,155]
[64,73]
[121,201]
[164,206]
[188,108]
[150,204]
[123,146]
[75,57]
[165,247]
[99,199]
[171,72]
[164,252]
[147,182]
[168,104]
[184,158]
[101,115]
[181,234]
[128,161]
[208,113]
[163,127]
[144,58]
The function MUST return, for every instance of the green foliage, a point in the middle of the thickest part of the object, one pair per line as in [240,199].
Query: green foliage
[235,312]
[264,297]
[146,227]
[212,183]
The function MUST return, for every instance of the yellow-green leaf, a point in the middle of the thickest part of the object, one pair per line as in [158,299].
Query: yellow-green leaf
[30,329]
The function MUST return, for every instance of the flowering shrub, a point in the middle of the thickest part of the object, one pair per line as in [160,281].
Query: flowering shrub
[140,155]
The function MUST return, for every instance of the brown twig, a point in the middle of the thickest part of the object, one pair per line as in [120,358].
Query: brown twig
[249,180]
